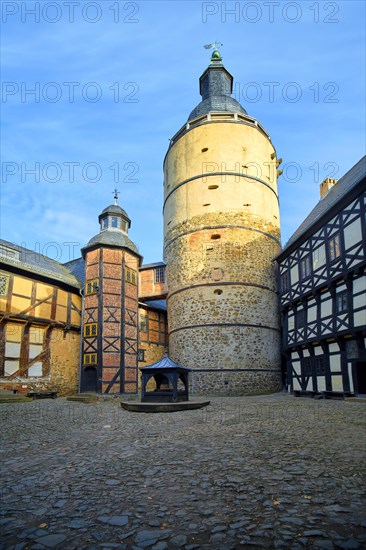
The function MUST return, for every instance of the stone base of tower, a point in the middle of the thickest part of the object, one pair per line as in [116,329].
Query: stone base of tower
[229,360]
[231,383]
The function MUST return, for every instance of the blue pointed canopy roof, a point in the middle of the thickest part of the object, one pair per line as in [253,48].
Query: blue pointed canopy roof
[165,363]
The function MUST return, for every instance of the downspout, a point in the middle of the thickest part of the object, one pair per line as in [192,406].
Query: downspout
[81,292]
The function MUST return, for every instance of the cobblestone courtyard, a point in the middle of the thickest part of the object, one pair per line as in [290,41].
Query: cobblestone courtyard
[260,472]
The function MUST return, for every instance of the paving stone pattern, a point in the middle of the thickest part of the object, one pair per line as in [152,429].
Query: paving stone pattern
[246,472]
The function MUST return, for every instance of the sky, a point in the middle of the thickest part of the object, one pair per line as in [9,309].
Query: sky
[93,91]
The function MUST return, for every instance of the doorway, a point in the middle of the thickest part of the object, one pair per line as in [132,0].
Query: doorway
[89,380]
[360,377]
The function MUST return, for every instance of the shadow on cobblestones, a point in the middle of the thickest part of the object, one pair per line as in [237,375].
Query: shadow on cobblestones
[260,472]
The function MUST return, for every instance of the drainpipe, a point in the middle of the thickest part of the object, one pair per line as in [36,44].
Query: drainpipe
[81,292]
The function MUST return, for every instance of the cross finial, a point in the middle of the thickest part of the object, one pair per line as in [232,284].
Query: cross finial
[116,193]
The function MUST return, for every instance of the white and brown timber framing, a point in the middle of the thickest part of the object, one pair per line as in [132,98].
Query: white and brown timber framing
[324,309]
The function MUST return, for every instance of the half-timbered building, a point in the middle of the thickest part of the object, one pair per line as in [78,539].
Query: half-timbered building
[40,315]
[83,325]
[323,291]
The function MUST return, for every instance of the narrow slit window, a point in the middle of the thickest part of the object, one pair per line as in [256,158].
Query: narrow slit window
[141,355]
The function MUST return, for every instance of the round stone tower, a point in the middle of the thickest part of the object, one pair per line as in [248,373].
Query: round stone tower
[221,233]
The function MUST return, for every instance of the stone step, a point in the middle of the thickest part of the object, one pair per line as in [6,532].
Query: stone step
[14,398]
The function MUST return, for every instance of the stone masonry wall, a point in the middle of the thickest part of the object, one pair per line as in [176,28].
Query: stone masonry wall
[221,235]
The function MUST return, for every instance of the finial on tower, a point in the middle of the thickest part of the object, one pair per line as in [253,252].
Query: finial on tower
[116,193]
[216,55]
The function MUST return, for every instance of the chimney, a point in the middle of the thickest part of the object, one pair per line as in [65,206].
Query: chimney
[326,186]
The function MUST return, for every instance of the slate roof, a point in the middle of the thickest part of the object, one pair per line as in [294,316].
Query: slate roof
[165,363]
[113,238]
[35,263]
[114,209]
[328,204]
[156,264]
[156,304]
[219,103]
[77,268]
[215,89]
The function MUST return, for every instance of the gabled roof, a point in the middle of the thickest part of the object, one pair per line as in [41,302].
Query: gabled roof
[328,206]
[36,264]
[156,264]
[77,268]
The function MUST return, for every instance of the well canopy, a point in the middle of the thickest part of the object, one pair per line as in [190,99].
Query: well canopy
[171,381]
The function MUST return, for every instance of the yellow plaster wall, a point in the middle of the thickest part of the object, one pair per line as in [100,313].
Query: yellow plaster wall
[65,361]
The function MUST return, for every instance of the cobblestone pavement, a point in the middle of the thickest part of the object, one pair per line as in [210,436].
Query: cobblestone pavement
[261,472]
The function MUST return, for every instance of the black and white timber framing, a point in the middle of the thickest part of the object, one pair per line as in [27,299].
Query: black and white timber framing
[323,293]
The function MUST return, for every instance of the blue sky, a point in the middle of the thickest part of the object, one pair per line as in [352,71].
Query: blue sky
[134,69]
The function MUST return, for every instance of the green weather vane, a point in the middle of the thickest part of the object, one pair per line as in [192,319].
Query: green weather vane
[214,46]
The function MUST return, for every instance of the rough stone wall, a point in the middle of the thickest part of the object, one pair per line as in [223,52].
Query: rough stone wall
[221,235]
[153,353]
[65,361]
[234,383]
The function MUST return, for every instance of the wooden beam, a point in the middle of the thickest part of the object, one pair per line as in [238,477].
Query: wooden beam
[46,367]
[39,321]
[54,303]
[24,350]
[35,304]
[10,294]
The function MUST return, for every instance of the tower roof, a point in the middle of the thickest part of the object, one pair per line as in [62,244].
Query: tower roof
[112,238]
[216,86]
[114,225]
[114,209]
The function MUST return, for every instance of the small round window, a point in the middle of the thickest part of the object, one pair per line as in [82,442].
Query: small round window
[213,187]
[215,237]
[218,291]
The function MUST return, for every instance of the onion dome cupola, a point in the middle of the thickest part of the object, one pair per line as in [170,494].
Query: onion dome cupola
[216,87]
[114,226]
